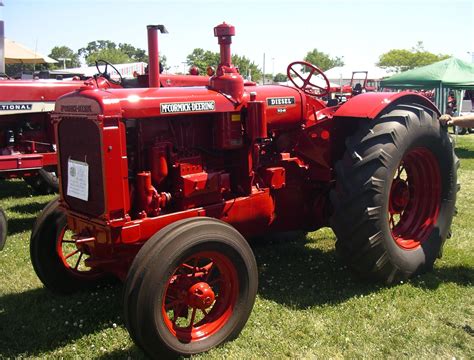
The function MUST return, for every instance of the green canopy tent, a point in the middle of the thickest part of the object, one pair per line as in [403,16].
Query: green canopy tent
[451,73]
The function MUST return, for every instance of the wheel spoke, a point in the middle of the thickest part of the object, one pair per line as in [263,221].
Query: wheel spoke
[186,266]
[307,80]
[193,317]
[397,175]
[209,268]
[400,170]
[196,259]
[299,75]
[78,260]
[176,311]
[172,304]
[71,254]
[171,297]
[392,221]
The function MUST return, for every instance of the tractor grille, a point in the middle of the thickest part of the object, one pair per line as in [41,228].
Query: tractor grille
[80,140]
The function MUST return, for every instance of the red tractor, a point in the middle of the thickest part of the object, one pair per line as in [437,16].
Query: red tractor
[27,145]
[357,85]
[161,187]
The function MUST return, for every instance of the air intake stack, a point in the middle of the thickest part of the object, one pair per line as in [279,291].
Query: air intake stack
[227,79]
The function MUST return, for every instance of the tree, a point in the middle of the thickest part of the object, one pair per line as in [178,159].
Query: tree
[322,60]
[402,59]
[280,77]
[95,46]
[247,67]
[109,51]
[164,62]
[113,56]
[203,58]
[137,55]
[63,52]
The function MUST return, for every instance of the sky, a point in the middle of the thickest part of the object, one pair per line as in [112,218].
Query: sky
[359,31]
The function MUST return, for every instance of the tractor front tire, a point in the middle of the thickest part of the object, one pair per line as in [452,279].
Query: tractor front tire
[191,287]
[57,261]
[395,194]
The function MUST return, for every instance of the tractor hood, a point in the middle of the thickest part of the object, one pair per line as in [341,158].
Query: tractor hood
[144,102]
[284,105]
[36,90]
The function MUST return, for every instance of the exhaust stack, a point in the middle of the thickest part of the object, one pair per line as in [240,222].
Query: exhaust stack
[153,54]
[2,41]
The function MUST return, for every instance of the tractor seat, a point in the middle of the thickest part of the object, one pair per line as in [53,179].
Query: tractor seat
[357,89]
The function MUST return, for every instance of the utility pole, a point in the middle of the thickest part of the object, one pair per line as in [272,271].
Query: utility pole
[273,68]
[263,83]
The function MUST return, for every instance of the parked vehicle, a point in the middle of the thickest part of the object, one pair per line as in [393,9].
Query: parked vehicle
[161,187]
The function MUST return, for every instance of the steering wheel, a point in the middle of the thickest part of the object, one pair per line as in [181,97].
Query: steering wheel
[312,82]
[105,74]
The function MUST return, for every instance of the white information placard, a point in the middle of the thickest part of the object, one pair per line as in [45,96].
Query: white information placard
[78,179]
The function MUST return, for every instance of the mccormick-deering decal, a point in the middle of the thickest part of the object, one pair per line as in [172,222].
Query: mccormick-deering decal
[281,101]
[184,107]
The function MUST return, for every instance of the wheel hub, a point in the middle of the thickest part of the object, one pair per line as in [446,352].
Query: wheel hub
[200,296]
[400,196]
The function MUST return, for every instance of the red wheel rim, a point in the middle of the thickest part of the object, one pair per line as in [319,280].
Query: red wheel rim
[415,198]
[73,257]
[190,319]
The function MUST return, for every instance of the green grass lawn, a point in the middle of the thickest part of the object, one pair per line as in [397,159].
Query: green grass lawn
[309,305]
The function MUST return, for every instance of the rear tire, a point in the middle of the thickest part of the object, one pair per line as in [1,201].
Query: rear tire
[395,195]
[200,256]
[3,229]
[44,183]
[56,260]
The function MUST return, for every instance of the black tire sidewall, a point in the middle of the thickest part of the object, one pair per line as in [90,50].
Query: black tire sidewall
[155,281]
[3,228]
[365,174]
[45,259]
[50,178]
[436,141]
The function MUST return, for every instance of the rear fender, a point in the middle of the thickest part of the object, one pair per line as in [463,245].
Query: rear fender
[370,105]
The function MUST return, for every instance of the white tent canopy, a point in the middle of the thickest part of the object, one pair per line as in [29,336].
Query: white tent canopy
[16,53]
